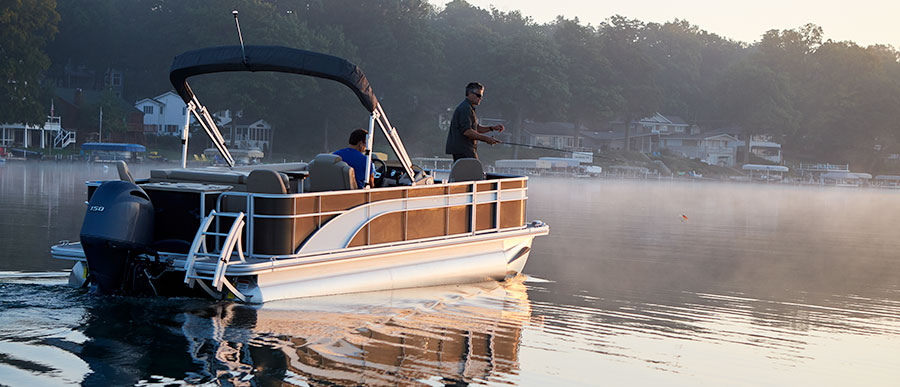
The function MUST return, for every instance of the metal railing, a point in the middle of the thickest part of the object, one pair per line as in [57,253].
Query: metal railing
[63,138]
[471,199]
[825,167]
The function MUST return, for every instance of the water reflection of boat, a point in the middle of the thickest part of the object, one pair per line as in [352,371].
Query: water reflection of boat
[262,233]
[460,334]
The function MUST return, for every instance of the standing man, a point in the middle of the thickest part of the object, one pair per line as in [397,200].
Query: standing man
[355,157]
[464,130]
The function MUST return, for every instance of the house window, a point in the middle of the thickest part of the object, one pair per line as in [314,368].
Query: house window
[679,129]
[171,128]
[161,109]
[183,111]
[148,109]
[116,79]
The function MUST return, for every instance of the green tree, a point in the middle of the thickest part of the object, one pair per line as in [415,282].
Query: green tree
[758,99]
[691,64]
[593,95]
[525,72]
[854,98]
[625,45]
[25,28]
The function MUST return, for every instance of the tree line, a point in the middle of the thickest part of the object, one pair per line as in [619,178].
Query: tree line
[822,99]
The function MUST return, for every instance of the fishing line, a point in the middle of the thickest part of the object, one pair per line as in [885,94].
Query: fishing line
[549,148]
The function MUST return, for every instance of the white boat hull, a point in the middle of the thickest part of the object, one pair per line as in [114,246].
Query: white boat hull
[464,259]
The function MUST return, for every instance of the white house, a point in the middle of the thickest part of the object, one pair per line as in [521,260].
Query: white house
[763,146]
[164,114]
[51,134]
[713,148]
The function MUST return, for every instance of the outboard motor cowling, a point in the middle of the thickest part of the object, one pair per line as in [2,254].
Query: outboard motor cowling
[118,225]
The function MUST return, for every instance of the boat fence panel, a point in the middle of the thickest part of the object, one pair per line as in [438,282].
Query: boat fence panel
[281,224]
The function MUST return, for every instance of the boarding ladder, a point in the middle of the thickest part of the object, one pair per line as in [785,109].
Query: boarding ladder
[223,258]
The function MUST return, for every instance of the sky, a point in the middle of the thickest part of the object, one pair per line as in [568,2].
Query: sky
[865,22]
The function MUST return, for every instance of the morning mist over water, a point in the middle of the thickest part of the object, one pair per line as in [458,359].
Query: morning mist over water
[681,283]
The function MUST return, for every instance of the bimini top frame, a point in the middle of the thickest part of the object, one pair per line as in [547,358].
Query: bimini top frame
[278,59]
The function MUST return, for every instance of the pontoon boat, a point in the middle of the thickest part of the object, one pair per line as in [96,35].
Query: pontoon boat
[267,232]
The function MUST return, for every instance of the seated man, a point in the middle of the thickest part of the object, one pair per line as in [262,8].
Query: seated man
[355,157]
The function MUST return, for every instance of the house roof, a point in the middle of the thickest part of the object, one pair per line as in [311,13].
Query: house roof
[676,120]
[656,118]
[605,135]
[151,100]
[763,167]
[158,97]
[699,136]
[90,96]
[243,121]
[846,175]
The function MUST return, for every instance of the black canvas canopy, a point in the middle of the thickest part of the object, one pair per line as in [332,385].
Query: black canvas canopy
[269,58]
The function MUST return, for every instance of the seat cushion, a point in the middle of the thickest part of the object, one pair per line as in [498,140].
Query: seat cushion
[466,170]
[266,181]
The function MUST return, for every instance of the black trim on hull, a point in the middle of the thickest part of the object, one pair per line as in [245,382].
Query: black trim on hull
[520,254]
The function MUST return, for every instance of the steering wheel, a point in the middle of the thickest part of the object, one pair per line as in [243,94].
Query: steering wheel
[380,171]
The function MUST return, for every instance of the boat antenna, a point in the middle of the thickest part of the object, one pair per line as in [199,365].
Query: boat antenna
[238,24]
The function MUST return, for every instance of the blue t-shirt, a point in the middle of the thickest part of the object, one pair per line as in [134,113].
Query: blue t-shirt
[356,160]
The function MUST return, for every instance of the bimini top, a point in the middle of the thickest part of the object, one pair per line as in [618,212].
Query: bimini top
[113,147]
[269,58]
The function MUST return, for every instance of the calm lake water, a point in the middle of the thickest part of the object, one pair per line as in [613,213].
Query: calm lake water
[639,282]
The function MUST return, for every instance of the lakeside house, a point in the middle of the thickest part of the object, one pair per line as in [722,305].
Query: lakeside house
[558,135]
[66,120]
[164,115]
[244,132]
[659,132]
[51,134]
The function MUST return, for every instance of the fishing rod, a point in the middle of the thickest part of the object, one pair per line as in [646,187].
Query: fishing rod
[549,148]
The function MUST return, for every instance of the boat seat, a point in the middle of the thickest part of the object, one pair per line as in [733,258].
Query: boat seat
[466,170]
[198,176]
[124,173]
[280,167]
[327,172]
[267,181]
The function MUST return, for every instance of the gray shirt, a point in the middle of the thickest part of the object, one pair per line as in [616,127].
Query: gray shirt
[463,119]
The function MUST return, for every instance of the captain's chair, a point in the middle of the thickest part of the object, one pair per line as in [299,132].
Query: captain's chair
[466,170]
[327,172]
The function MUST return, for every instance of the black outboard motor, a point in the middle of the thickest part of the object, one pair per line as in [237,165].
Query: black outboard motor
[117,227]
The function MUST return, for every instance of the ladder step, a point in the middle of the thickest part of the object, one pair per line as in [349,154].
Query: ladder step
[222,261]
[207,254]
